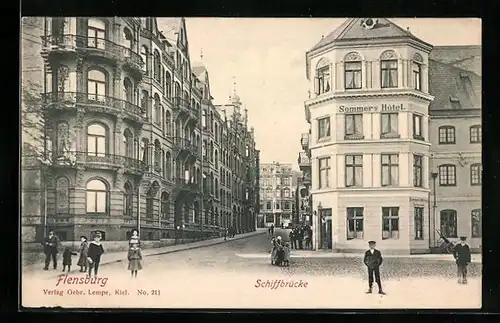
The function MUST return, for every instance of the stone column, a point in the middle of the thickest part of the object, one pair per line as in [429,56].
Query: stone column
[118,137]
[117,83]
[80,132]
[80,80]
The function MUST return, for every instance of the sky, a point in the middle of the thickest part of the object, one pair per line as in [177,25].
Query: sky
[265,57]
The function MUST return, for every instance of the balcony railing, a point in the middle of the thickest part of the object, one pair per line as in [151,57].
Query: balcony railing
[180,103]
[304,160]
[105,47]
[185,185]
[185,144]
[73,158]
[97,101]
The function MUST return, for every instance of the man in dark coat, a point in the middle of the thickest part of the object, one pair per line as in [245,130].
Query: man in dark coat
[462,255]
[300,237]
[291,237]
[50,248]
[373,260]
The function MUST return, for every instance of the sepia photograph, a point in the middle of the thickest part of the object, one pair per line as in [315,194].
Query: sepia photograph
[271,163]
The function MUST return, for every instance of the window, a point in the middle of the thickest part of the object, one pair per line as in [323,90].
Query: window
[354,223]
[322,81]
[278,181]
[353,170]
[149,203]
[286,192]
[417,76]
[277,205]
[390,223]
[96,33]
[96,85]
[97,197]
[269,206]
[128,144]
[389,125]
[476,171]
[447,175]
[352,75]
[168,85]
[156,65]
[475,134]
[287,205]
[278,193]
[96,140]
[418,218]
[417,127]
[204,119]
[128,89]
[389,73]
[390,170]
[128,39]
[168,123]
[476,223]
[145,59]
[446,135]
[354,126]
[448,223]
[417,170]
[324,168]
[165,205]
[127,200]
[157,109]
[324,127]
[62,195]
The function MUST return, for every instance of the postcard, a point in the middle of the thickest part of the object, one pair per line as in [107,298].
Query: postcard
[251,163]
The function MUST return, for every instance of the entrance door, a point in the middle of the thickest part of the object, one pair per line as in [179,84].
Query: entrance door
[329,236]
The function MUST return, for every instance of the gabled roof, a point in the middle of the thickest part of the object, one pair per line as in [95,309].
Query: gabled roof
[466,57]
[352,29]
[453,88]
[170,27]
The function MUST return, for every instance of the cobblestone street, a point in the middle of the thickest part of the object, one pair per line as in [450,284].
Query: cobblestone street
[221,276]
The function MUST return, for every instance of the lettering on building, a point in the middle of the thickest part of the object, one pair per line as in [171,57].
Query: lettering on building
[361,109]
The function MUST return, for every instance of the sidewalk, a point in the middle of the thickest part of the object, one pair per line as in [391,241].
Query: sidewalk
[119,256]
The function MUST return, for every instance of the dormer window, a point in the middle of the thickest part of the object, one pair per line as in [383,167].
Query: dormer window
[323,77]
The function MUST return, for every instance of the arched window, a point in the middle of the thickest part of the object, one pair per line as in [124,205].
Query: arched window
[168,123]
[145,58]
[62,139]
[448,223]
[157,65]
[168,85]
[447,175]
[165,205]
[212,151]
[247,151]
[446,135]
[177,90]
[149,203]
[97,140]
[168,165]
[475,134]
[96,33]
[204,119]
[476,223]
[158,153]
[96,85]
[128,199]
[62,195]
[128,39]
[216,158]
[352,71]
[157,109]
[476,171]
[389,69]
[323,77]
[128,143]
[128,88]
[216,188]
[97,197]
[144,150]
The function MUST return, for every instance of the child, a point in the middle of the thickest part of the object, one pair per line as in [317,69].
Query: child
[67,258]
[94,254]
[84,248]
[134,238]
[134,259]
[286,260]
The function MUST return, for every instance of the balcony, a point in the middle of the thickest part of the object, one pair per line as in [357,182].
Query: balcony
[97,47]
[304,140]
[304,161]
[94,103]
[96,160]
[186,186]
[185,148]
[182,108]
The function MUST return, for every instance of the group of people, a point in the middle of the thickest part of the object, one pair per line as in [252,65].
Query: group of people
[301,237]
[90,253]
[229,232]
[280,252]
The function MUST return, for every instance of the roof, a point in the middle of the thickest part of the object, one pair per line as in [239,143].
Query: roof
[453,88]
[169,27]
[352,29]
[465,57]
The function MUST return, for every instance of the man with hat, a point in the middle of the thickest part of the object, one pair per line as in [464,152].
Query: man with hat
[373,260]
[462,255]
[50,248]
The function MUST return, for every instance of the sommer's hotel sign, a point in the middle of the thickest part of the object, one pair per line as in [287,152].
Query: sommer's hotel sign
[382,108]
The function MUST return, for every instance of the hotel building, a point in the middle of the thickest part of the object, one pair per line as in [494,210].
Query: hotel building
[133,138]
[384,115]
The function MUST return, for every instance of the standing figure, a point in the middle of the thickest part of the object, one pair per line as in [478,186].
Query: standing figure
[67,258]
[50,248]
[291,236]
[280,253]
[295,231]
[134,259]
[286,260]
[300,237]
[134,238]
[84,249]
[272,229]
[274,250]
[309,237]
[94,254]
[225,234]
[462,255]
[373,260]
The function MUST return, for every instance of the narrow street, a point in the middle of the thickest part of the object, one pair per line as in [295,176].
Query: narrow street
[221,276]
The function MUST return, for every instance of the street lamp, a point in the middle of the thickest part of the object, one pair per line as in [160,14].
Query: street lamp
[434,176]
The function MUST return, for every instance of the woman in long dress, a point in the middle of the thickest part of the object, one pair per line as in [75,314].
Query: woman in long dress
[84,248]
[274,250]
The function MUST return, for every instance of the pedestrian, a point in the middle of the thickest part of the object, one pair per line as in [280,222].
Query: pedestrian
[295,244]
[84,248]
[462,255]
[134,259]
[225,234]
[286,260]
[280,253]
[373,260]
[291,236]
[67,258]
[300,237]
[274,250]
[309,239]
[306,239]
[50,248]
[272,229]
[134,238]
[94,254]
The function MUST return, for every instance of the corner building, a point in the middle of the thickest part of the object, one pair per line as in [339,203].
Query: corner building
[369,141]
[126,114]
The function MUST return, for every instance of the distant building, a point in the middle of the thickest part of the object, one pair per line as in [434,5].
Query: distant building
[390,115]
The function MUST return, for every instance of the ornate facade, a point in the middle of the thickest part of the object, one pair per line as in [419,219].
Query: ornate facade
[133,137]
